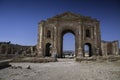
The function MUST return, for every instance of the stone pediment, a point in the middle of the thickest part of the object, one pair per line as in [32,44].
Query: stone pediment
[67,15]
[71,16]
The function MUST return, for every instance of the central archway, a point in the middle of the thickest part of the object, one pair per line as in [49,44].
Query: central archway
[72,51]
[68,45]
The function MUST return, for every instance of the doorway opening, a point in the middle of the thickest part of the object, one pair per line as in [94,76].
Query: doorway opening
[48,50]
[87,50]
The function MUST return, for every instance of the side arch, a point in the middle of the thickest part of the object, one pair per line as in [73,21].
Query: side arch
[87,50]
[48,50]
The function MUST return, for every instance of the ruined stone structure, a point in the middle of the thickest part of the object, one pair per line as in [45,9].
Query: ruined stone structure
[85,29]
[11,50]
[110,48]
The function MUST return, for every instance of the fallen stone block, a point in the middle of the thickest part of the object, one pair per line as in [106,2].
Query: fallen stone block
[4,63]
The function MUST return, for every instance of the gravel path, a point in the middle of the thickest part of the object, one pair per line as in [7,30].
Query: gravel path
[65,69]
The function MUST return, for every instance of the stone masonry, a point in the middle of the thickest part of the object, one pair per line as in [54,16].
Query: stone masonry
[85,29]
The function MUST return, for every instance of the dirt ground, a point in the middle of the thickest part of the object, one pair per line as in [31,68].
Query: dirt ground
[64,69]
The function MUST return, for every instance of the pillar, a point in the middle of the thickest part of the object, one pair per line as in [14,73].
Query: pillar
[54,50]
[40,39]
[80,53]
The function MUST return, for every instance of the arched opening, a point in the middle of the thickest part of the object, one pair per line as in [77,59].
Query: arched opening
[48,34]
[88,33]
[48,50]
[87,50]
[68,44]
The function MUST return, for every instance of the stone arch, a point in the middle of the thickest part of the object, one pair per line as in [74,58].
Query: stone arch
[69,22]
[62,35]
[87,50]
[48,50]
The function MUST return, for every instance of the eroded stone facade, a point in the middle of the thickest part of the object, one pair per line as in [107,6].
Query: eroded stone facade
[110,47]
[85,29]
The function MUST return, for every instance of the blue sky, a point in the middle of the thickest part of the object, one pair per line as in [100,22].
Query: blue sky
[19,18]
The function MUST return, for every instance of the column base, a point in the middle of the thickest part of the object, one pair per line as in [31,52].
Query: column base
[80,53]
[40,53]
[54,53]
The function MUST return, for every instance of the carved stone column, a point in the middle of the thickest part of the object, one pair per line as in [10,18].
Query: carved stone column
[106,48]
[79,34]
[54,51]
[92,32]
[117,48]
[40,39]
[95,36]
[96,43]
[80,53]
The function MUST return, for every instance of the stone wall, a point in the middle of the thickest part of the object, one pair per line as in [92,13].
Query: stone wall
[11,50]
[110,47]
